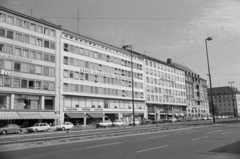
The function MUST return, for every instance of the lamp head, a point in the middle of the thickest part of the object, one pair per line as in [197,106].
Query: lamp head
[209,39]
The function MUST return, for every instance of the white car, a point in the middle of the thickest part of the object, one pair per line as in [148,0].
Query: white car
[39,127]
[209,118]
[106,123]
[65,126]
[137,122]
[120,123]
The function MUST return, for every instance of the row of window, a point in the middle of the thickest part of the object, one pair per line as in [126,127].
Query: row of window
[23,52]
[99,56]
[100,79]
[27,68]
[67,87]
[100,67]
[75,102]
[164,83]
[25,38]
[167,99]
[163,67]
[8,81]
[165,91]
[165,75]
[197,103]
[26,24]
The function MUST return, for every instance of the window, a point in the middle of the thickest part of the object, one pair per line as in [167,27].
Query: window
[45,85]
[25,53]
[65,73]
[2,48]
[17,51]
[52,58]
[17,66]
[52,46]
[2,17]
[26,25]
[46,31]
[19,22]
[46,57]
[24,83]
[7,81]
[38,70]
[66,47]
[46,43]
[32,40]
[9,50]
[33,27]
[33,55]
[39,29]
[10,34]
[31,68]
[18,37]
[39,42]
[31,84]
[39,56]
[24,67]
[10,20]
[2,32]
[51,86]
[16,82]
[8,65]
[51,72]
[52,32]
[1,64]
[25,38]
[46,71]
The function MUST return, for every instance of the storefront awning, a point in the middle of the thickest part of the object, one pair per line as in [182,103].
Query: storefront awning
[76,115]
[48,115]
[9,115]
[96,115]
[30,115]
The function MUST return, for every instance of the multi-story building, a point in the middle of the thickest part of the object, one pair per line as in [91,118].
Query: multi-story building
[29,50]
[226,100]
[96,81]
[196,93]
[164,89]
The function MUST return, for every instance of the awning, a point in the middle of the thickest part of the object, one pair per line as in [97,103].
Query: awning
[9,115]
[48,115]
[76,115]
[181,114]
[151,113]
[30,115]
[96,115]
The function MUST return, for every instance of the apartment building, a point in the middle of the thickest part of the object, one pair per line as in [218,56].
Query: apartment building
[196,93]
[96,83]
[29,50]
[164,88]
[226,100]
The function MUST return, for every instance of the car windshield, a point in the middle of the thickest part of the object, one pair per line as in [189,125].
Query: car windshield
[37,124]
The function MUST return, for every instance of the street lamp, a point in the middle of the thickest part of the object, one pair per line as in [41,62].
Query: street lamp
[129,47]
[209,74]
[231,83]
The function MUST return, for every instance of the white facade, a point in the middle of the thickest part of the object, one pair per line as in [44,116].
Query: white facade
[96,78]
[28,52]
[164,89]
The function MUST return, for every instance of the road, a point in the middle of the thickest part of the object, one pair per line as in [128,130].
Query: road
[219,141]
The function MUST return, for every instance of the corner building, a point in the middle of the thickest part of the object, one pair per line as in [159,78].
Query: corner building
[165,89]
[96,81]
[28,64]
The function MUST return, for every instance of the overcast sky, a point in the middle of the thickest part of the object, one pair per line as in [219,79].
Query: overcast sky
[160,28]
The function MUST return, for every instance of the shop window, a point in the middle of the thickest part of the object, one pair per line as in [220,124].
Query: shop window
[10,34]
[24,83]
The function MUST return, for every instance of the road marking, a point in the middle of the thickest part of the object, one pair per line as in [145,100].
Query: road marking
[226,133]
[213,131]
[152,148]
[191,132]
[157,136]
[205,137]
[196,139]
[104,145]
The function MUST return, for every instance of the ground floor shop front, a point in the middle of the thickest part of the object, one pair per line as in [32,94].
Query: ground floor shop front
[27,118]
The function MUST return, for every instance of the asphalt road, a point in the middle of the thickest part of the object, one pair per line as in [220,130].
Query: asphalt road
[220,141]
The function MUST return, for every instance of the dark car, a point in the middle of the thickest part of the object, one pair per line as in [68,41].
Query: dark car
[189,118]
[10,128]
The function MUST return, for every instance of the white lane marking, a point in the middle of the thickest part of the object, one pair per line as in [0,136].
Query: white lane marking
[226,133]
[152,148]
[104,145]
[157,136]
[213,131]
[205,137]
[196,139]
[191,132]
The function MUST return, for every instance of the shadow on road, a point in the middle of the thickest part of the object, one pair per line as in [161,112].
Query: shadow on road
[233,148]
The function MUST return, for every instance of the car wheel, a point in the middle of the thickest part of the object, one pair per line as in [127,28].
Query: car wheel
[19,131]
[63,128]
[4,132]
[35,130]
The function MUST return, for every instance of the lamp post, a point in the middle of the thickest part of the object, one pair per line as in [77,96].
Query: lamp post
[129,47]
[231,83]
[210,81]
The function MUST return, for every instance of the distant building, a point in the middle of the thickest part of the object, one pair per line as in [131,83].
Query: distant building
[196,91]
[226,100]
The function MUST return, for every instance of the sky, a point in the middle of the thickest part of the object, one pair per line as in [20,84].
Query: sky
[162,29]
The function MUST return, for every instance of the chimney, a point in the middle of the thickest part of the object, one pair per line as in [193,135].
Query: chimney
[169,61]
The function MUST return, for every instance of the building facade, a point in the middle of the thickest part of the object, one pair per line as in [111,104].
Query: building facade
[28,69]
[226,100]
[196,93]
[96,81]
[165,89]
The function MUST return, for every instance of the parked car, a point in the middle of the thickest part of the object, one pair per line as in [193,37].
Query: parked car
[209,118]
[65,126]
[204,118]
[146,122]
[106,123]
[180,120]
[120,123]
[159,121]
[39,127]
[194,118]
[188,118]
[10,128]
[171,120]
[137,122]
